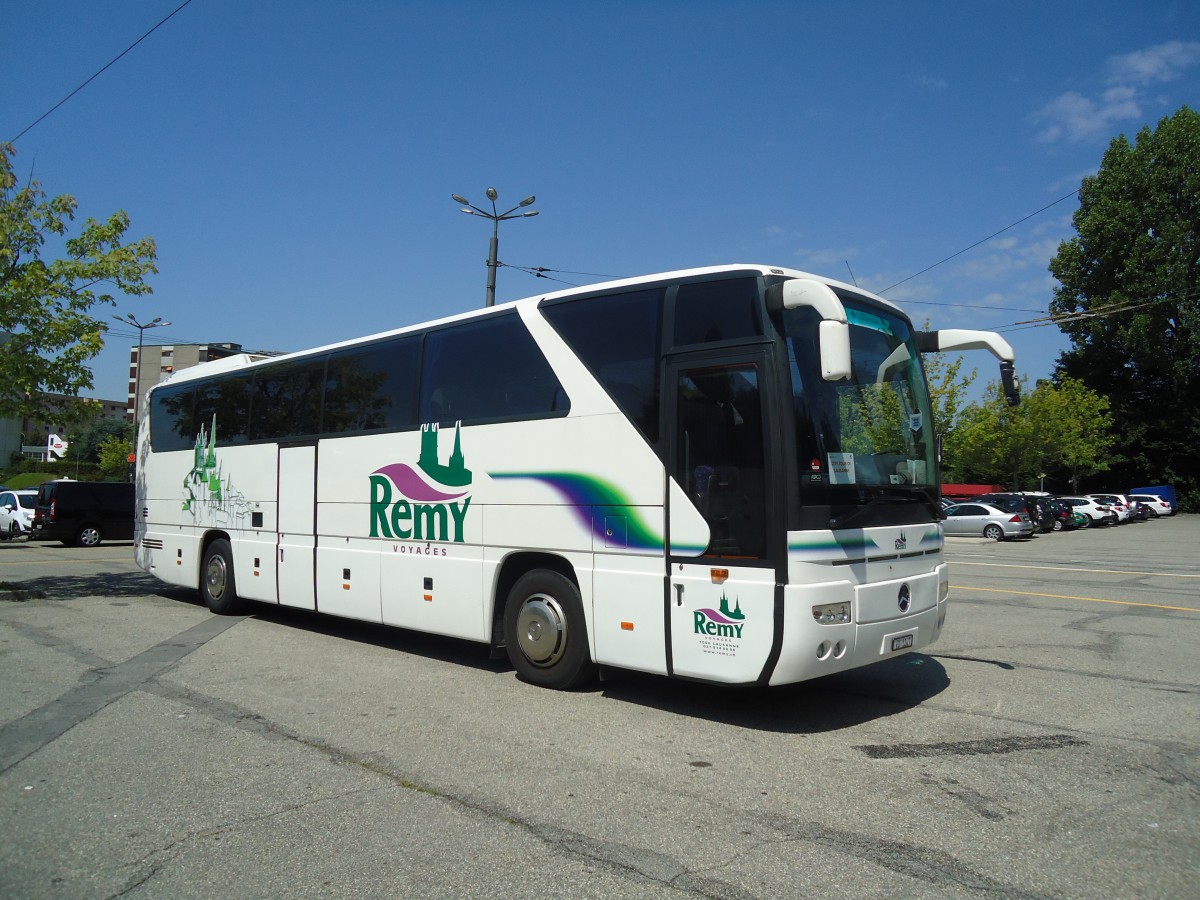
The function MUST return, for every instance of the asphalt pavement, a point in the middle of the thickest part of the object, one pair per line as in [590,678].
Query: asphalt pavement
[1046,746]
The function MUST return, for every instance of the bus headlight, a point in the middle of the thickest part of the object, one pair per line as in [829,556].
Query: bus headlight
[832,613]
[943,590]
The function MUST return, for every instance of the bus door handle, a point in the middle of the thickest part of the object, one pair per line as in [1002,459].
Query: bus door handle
[679,595]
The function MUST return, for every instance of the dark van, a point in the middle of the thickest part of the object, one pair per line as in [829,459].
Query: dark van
[84,512]
[1032,505]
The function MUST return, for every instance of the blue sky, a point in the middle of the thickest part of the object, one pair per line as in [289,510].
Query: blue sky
[294,159]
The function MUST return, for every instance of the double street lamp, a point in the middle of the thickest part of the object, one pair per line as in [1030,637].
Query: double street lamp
[497,217]
[156,322]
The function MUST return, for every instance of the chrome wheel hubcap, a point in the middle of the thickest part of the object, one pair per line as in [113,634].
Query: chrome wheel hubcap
[215,577]
[542,630]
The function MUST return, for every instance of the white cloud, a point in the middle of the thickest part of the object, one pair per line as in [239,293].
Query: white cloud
[928,81]
[826,257]
[1074,117]
[1164,62]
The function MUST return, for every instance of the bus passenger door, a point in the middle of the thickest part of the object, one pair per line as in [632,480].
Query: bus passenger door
[297,512]
[724,514]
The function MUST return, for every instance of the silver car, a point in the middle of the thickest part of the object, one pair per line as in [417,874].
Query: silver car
[981,520]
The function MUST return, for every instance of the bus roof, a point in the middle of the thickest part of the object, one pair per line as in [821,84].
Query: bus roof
[247,359]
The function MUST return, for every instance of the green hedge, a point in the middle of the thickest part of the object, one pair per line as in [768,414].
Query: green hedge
[27,480]
[30,474]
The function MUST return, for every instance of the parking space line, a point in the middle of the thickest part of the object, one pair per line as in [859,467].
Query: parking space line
[1072,597]
[60,560]
[27,735]
[1070,569]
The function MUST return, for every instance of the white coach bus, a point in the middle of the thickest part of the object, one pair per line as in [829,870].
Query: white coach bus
[724,474]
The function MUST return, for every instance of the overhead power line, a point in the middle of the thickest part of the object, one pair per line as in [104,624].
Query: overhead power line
[37,121]
[1095,313]
[540,272]
[982,241]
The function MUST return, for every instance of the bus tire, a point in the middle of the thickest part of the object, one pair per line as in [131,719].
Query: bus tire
[217,585]
[544,631]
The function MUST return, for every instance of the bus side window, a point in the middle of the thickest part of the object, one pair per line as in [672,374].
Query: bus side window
[225,400]
[372,388]
[490,370]
[707,312]
[171,423]
[619,339]
[287,400]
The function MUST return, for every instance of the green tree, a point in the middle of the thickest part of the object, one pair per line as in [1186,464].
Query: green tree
[948,387]
[45,322]
[1129,298]
[1064,427]
[995,442]
[114,456]
[1078,423]
[86,440]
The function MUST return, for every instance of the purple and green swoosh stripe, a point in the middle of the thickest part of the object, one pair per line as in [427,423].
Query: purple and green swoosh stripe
[582,493]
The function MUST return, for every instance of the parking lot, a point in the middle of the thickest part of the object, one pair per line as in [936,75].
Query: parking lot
[1047,746]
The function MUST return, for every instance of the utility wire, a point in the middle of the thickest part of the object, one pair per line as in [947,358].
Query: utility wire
[983,241]
[540,272]
[30,127]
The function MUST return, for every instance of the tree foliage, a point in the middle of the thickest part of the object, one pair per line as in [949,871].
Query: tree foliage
[1078,424]
[948,388]
[113,456]
[1063,428]
[45,305]
[86,441]
[1129,297]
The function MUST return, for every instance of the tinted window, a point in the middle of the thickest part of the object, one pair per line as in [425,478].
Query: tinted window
[709,311]
[372,388]
[619,339]
[487,370]
[287,400]
[1007,504]
[171,418]
[227,401]
[721,457]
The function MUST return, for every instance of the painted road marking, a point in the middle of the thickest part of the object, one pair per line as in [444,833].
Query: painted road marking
[1072,597]
[1070,569]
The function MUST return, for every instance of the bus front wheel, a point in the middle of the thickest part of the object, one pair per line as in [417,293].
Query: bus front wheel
[544,631]
[217,585]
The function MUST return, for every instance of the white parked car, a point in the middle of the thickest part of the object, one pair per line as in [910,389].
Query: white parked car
[1097,513]
[1119,504]
[1157,505]
[16,513]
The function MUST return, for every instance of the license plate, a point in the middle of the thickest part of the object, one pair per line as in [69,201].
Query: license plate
[902,643]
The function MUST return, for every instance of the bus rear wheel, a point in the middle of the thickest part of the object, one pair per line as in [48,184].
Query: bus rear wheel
[545,633]
[217,585]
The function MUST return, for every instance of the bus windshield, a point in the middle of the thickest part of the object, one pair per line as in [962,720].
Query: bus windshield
[870,437]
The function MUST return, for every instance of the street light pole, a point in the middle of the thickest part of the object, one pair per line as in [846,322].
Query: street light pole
[497,217]
[156,322]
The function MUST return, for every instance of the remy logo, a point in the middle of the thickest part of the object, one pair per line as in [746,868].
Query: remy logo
[427,502]
[720,623]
